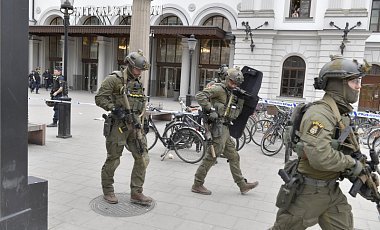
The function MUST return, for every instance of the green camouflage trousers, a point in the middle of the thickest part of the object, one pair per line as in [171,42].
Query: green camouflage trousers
[326,206]
[115,144]
[222,144]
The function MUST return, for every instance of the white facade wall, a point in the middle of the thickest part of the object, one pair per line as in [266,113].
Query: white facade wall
[312,39]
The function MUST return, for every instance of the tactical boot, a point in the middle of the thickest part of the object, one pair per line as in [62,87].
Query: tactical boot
[139,198]
[248,186]
[200,189]
[110,198]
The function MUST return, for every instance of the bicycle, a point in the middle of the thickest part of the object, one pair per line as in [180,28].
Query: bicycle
[188,143]
[272,141]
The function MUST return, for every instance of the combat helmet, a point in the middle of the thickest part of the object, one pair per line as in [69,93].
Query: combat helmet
[235,75]
[137,60]
[338,68]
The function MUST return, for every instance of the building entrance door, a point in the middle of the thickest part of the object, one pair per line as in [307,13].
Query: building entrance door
[90,73]
[168,81]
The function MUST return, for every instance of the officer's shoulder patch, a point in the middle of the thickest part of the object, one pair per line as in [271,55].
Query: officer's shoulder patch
[315,128]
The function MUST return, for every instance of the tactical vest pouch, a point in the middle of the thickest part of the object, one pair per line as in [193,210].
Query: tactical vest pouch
[293,183]
[217,129]
[107,125]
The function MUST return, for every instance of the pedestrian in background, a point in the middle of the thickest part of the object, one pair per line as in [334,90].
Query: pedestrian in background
[123,126]
[56,93]
[47,79]
[37,82]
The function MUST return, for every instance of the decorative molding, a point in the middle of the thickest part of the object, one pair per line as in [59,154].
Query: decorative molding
[346,12]
[192,7]
[256,14]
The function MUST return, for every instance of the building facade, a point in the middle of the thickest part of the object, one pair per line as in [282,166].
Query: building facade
[288,40]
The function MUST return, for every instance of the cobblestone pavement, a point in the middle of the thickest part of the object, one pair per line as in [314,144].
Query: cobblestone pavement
[72,168]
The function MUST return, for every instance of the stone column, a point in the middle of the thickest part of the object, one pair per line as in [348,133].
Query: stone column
[140,28]
[184,69]
[22,206]
[101,62]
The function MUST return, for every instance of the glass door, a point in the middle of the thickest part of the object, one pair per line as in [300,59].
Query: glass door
[168,81]
[90,73]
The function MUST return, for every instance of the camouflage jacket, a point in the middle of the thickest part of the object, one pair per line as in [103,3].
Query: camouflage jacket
[111,94]
[318,129]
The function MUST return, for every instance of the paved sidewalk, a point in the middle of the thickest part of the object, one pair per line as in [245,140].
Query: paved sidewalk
[72,168]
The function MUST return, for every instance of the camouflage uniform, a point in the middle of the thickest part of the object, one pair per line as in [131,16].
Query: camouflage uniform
[323,203]
[319,199]
[122,132]
[217,96]
[110,95]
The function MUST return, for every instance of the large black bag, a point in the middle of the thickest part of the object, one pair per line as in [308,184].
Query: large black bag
[251,84]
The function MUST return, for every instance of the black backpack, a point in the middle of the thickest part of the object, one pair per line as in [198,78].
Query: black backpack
[292,135]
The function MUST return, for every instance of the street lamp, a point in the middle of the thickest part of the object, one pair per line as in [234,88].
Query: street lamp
[64,108]
[248,31]
[67,9]
[192,42]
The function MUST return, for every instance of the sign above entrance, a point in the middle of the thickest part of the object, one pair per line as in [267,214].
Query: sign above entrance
[111,10]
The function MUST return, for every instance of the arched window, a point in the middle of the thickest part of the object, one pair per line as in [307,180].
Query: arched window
[293,77]
[126,20]
[213,52]
[123,42]
[168,60]
[170,49]
[55,45]
[92,21]
[171,20]
[89,43]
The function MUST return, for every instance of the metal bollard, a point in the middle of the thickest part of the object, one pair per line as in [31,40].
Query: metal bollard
[64,118]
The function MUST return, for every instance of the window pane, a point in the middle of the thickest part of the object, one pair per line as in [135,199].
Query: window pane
[161,50]
[293,77]
[170,53]
[205,51]
[178,55]
[94,48]
[85,48]
[215,52]
[376,4]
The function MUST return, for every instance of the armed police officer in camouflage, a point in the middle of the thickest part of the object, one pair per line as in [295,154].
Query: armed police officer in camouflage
[215,102]
[122,94]
[312,194]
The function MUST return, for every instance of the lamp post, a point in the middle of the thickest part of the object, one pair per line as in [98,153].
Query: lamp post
[192,42]
[248,31]
[346,30]
[67,9]
[64,108]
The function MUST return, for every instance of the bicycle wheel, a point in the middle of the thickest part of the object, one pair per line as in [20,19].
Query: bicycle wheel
[371,137]
[240,142]
[247,134]
[259,129]
[172,127]
[151,137]
[376,144]
[271,143]
[189,145]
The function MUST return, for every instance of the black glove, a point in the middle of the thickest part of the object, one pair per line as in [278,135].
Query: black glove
[358,155]
[118,113]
